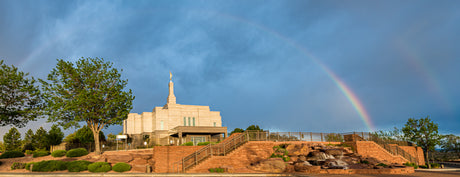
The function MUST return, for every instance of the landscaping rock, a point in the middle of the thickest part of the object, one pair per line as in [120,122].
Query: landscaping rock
[301,158]
[139,168]
[139,162]
[302,166]
[119,158]
[334,152]
[272,165]
[298,149]
[142,156]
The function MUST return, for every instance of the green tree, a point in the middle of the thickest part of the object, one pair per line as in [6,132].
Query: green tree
[111,137]
[237,130]
[29,141]
[254,127]
[423,132]
[85,136]
[55,135]
[20,98]
[41,139]
[450,143]
[12,140]
[88,91]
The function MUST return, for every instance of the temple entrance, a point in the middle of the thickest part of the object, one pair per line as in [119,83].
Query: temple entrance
[198,139]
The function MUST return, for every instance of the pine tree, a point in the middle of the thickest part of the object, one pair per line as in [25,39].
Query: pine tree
[12,140]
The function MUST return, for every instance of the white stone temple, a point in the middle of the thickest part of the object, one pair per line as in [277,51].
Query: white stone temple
[174,124]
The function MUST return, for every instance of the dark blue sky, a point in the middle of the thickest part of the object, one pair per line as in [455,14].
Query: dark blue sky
[258,62]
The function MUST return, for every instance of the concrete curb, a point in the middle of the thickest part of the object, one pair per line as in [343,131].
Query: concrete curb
[439,169]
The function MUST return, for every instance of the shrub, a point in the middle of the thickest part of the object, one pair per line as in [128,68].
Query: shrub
[187,144]
[365,162]
[411,165]
[76,152]
[216,170]
[99,167]
[422,166]
[58,153]
[435,165]
[382,164]
[11,154]
[28,165]
[50,165]
[28,152]
[286,158]
[121,167]
[77,166]
[18,165]
[40,153]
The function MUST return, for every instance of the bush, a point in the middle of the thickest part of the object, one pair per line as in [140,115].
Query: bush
[422,166]
[11,154]
[50,165]
[365,162]
[205,143]
[435,165]
[216,170]
[78,166]
[58,153]
[76,152]
[28,165]
[97,167]
[411,165]
[382,164]
[28,152]
[40,153]
[18,165]
[187,144]
[121,167]
[286,158]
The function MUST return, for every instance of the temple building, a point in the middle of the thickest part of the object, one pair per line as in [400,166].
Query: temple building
[174,124]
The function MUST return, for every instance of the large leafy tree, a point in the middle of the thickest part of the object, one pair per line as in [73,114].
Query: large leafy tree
[12,140]
[20,99]
[424,132]
[55,135]
[90,91]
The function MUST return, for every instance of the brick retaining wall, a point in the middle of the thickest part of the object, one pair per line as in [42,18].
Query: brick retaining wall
[165,156]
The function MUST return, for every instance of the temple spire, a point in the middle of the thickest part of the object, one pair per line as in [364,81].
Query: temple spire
[171,97]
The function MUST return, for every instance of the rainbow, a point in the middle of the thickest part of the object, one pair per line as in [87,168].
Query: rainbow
[349,94]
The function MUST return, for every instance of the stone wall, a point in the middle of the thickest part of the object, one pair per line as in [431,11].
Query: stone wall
[372,149]
[165,156]
[416,152]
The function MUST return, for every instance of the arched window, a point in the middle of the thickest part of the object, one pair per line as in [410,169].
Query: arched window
[161,125]
[188,121]
[214,124]
[185,122]
[193,121]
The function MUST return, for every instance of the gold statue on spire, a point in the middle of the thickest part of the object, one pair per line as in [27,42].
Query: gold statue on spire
[170,76]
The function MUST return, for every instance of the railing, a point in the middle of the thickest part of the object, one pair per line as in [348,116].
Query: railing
[234,142]
[202,154]
[386,144]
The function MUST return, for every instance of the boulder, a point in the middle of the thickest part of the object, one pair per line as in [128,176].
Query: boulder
[140,168]
[301,166]
[334,152]
[119,158]
[271,165]
[301,158]
[298,149]
[139,162]
[142,156]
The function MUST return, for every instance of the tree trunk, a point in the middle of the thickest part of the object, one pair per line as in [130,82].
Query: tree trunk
[96,142]
[427,160]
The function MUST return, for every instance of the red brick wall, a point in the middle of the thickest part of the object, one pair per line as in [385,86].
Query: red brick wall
[416,152]
[372,149]
[165,156]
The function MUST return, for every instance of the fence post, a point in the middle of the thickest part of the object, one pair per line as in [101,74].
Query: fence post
[183,165]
